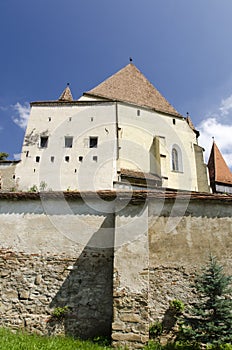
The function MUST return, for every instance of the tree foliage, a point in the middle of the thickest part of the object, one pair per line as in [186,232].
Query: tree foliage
[210,320]
[3,155]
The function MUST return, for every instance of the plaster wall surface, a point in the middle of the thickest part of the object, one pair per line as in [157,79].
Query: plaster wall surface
[7,177]
[56,254]
[136,136]
[182,235]
[79,167]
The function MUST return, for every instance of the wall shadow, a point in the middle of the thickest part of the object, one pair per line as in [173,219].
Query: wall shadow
[88,289]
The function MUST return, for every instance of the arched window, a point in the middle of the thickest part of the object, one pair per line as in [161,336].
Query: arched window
[176,159]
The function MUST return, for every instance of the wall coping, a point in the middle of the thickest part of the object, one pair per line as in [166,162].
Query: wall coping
[136,196]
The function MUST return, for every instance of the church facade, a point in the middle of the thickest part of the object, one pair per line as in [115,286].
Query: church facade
[121,134]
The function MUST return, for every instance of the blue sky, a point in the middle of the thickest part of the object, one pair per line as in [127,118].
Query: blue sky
[183,47]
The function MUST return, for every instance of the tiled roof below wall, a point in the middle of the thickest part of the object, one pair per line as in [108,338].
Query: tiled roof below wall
[137,195]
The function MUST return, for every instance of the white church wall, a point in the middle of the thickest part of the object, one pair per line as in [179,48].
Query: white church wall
[69,168]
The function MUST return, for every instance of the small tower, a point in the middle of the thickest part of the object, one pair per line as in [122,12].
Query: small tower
[219,173]
[66,94]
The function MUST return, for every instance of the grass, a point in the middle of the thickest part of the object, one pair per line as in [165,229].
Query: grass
[24,341]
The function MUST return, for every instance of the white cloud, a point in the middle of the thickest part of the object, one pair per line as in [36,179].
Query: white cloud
[23,114]
[17,156]
[214,126]
[226,106]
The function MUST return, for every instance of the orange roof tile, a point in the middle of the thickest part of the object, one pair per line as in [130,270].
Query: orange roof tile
[130,85]
[218,169]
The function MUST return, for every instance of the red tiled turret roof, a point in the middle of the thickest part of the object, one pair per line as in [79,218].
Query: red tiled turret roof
[218,169]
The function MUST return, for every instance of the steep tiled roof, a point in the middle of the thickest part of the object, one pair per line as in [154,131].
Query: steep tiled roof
[130,85]
[66,94]
[218,169]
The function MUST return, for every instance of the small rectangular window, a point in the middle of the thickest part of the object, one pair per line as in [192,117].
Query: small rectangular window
[91,119]
[27,153]
[49,119]
[93,140]
[37,159]
[138,112]
[80,159]
[174,121]
[44,141]
[95,158]
[70,119]
[66,159]
[52,159]
[68,141]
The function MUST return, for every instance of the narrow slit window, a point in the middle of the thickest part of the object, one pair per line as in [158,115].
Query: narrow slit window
[138,112]
[175,161]
[174,121]
[49,119]
[44,141]
[27,153]
[93,141]
[68,141]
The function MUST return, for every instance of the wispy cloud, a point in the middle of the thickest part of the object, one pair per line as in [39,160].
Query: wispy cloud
[23,111]
[219,126]
[17,156]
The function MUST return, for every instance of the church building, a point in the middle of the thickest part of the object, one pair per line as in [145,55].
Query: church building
[121,134]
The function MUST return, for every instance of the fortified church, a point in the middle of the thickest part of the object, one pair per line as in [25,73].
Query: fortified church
[113,260]
[122,133]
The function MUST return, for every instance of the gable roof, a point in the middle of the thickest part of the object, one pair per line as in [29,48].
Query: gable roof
[130,85]
[66,94]
[218,169]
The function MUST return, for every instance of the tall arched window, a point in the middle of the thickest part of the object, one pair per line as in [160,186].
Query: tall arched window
[175,160]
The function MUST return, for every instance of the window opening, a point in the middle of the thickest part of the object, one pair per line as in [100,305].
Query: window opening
[27,153]
[66,159]
[95,158]
[44,141]
[91,119]
[49,119]
[80,158]
[37,159]
[68,141]
[52,159]
[70,119]
[93,142]
[175,161]
[174,121]
[138,112]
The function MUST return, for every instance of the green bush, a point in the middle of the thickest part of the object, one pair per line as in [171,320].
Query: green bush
[177,306]
[60,312]
[156,329]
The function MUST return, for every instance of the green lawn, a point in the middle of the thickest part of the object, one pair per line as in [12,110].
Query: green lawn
[23,341]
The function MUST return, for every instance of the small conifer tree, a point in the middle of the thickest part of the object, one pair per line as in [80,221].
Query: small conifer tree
[210,320]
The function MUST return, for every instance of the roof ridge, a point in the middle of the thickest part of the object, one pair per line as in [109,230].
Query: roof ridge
[130,85]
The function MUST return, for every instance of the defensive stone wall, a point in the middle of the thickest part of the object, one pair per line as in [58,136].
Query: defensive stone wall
[115,261]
